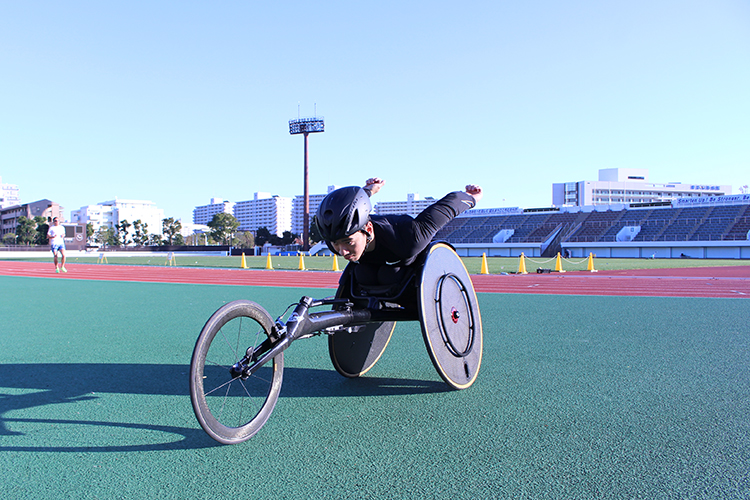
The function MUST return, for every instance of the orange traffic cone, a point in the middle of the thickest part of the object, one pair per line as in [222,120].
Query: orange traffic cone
[485,269]
[522,265]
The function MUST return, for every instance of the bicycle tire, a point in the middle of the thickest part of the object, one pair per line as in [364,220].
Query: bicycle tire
[232,409]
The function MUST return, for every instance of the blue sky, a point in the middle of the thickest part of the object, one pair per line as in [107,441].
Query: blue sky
[178,102]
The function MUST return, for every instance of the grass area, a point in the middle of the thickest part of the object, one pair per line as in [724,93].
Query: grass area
[496,265]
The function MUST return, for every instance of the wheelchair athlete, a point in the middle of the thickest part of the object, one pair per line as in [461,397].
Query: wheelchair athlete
[381,248]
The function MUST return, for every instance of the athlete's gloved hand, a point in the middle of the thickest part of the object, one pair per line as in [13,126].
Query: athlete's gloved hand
[475,191]
[373,185]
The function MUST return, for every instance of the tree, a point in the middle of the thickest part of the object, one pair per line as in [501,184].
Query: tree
[25,231]
[244,239]
[123,227]
[113,237]
[288,237]
[223,225]
[9,239]
[42,228]
[156,240]
[315,235]
[89,231]
[140,232]
[108,236]
[170,228]
[262,236]
[101,236]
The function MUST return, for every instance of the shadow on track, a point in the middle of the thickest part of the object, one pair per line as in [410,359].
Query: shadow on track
[51,384]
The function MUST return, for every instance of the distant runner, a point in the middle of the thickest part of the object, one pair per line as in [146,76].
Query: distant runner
[56,237]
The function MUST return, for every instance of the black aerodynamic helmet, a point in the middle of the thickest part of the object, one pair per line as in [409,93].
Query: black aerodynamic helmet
[343,212]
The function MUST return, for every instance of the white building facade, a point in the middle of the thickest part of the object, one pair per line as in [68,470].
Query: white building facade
[9,195]
[413,205]
[108,214]
[272,212]
[204,213]
[628,185]
[298,209]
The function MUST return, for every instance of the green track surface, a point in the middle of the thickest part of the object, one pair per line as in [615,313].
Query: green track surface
[578,397]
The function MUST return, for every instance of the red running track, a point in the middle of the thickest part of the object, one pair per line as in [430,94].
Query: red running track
[712,282]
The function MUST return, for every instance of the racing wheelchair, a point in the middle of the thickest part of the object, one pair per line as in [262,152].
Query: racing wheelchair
[238,361]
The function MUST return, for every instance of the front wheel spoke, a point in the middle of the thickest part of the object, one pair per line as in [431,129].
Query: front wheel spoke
[223,403]
[229,344]
[226,384]
[214,363]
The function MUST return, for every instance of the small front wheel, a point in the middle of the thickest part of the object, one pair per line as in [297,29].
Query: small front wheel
[231,404]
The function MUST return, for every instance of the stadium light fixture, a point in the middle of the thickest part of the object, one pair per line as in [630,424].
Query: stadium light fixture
[306,126]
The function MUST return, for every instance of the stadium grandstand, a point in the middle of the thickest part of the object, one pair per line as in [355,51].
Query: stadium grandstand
[704,227]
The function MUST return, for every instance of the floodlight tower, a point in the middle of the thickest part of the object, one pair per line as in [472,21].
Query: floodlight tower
[306,126]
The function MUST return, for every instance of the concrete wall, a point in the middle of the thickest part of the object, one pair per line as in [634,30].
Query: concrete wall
[663,250]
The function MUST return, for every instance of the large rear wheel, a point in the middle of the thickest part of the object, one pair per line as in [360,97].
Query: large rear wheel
[450,318]
[231,399]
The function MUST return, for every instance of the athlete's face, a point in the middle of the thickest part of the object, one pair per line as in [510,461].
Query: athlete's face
[352,247]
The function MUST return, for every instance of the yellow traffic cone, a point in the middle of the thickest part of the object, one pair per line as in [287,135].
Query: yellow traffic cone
[243,264]
[268,262]
[522,265]
[485,269]
[335,263]
[590,266]
[301,263]
[558,264]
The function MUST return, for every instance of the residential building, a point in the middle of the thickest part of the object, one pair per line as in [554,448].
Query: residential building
[108,214]
[298,209]
[628,185]
[272,212]
[204,213]
[9,195]
[413,205]
[99,216]
[42,208]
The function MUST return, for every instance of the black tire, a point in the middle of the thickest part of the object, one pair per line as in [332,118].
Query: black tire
[354,353]
[231,409]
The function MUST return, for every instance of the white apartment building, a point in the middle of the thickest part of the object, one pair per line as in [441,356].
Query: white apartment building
[204,213]
[100,216]
[298,209]
[413,205]
[108,214]
[9,195]
[628,185]
[272,212]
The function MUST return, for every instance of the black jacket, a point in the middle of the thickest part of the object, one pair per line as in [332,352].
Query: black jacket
[399,239]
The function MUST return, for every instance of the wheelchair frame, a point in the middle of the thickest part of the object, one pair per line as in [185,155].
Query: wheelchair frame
[256,372]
